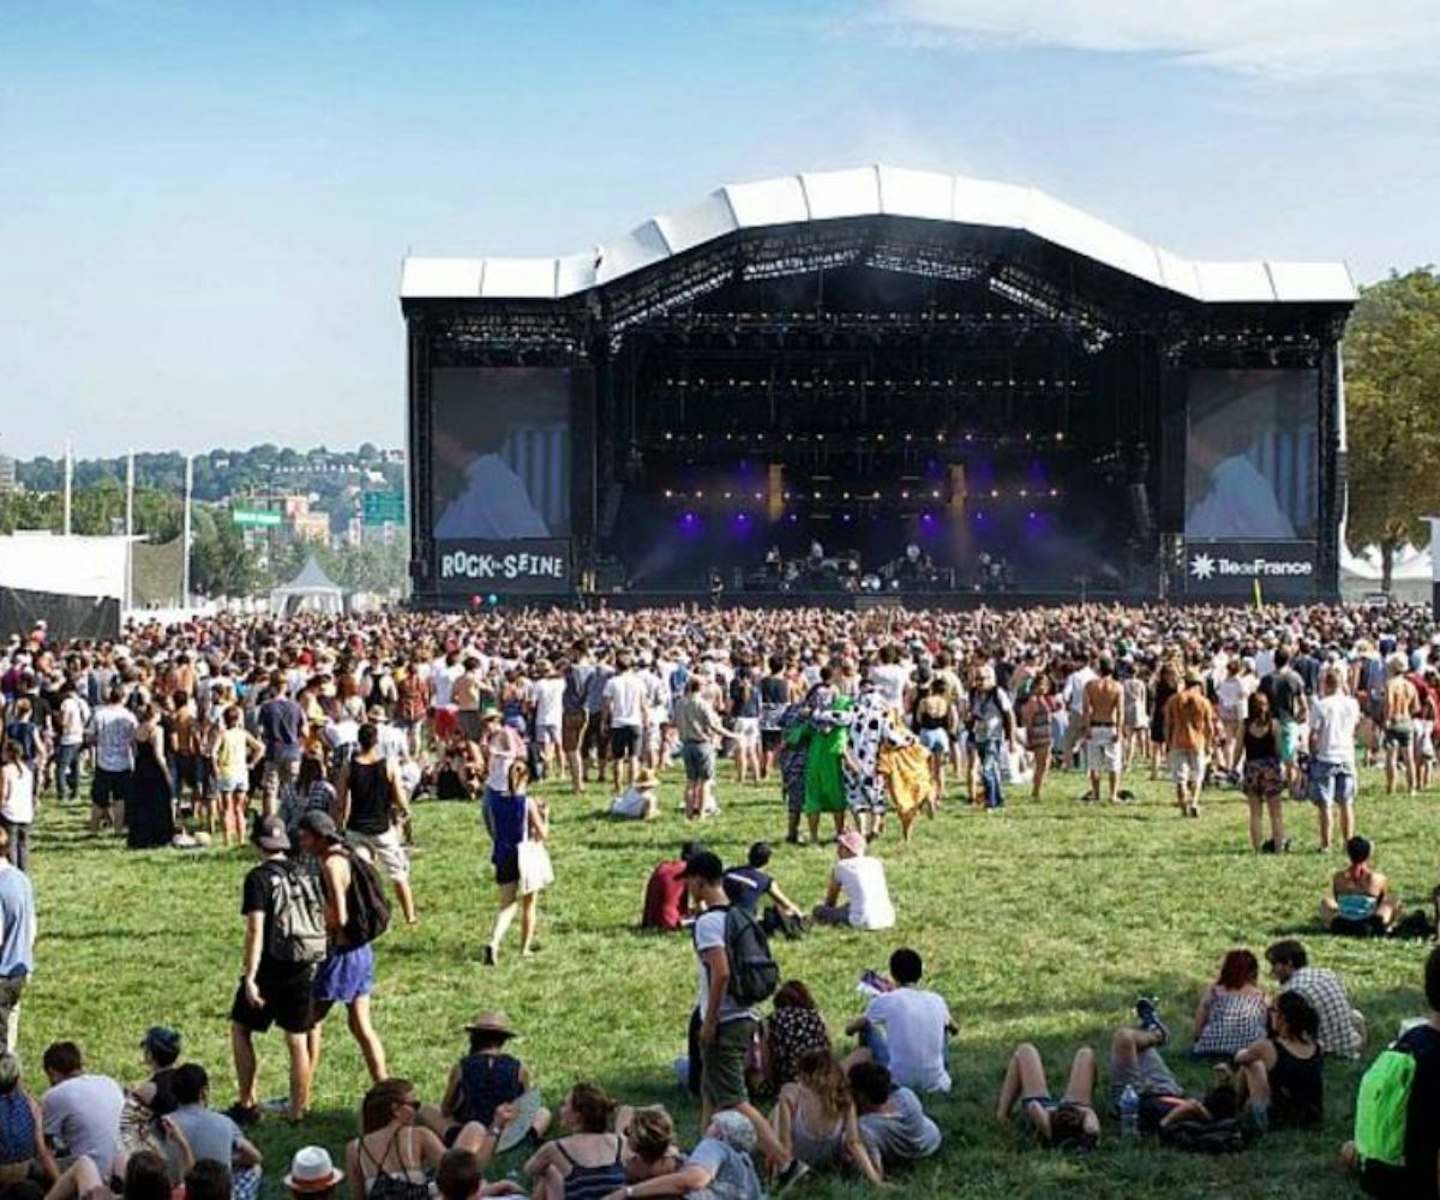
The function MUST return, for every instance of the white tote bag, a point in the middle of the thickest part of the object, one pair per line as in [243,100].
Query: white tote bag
[536,870]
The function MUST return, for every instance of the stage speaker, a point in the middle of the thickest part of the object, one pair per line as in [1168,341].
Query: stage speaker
[1140,510]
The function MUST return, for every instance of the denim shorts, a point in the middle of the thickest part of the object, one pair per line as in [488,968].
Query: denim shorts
[1331,783]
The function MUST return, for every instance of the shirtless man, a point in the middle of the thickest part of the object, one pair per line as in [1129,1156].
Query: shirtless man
[1104,705]
[1402,706]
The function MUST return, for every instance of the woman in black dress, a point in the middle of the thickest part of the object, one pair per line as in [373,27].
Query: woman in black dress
[149,814]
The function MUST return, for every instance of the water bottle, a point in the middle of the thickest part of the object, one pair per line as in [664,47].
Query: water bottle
[1129,1112]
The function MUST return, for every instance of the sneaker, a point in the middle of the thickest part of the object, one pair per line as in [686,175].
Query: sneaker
[1267,846]
[281,1104]
[244,1115]
[487,956]
[789,1177]
[1147,1010]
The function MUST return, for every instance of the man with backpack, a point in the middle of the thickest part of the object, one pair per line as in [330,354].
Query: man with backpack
[355,915]
[1397,1113]
[284,910]
[736,973]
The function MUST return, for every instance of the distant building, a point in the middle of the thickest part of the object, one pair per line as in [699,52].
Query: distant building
[311,526]
[7,474]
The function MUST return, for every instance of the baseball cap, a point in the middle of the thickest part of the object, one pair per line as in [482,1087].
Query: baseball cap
[269,834]
[321,824]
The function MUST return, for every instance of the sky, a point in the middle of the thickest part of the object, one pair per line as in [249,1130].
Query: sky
[204,206]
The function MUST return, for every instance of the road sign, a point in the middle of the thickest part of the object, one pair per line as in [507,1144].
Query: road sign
[255,518]
[380,508]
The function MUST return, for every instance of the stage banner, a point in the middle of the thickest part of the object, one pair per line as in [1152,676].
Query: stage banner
[1283,570]
[470,566]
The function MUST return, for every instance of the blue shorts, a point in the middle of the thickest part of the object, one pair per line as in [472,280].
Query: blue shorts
[346,975]
[1331,783]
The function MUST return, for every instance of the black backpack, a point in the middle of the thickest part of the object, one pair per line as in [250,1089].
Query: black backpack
[754,975]
[1205,1137]
[368,912]
[295,906]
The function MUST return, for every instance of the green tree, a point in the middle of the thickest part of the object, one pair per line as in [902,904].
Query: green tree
[220,564]
[1392,394]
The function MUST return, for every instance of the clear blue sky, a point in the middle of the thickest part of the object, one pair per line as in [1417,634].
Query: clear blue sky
[203,206]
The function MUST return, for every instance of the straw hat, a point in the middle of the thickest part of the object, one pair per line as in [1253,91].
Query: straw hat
[492,1022]
[646,778]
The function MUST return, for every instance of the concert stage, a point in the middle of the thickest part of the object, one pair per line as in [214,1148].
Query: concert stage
[828,385]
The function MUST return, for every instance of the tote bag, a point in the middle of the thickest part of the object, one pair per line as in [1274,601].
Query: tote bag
[536,871]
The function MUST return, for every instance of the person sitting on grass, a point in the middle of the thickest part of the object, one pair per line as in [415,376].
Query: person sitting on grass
[1360,903]
[650,1148]
[893,1124]
[145,1178]
[392,1155]
[24,1152]
[462,1177]
[746,886]
[719,1168]
[667,900]
[1283,1076]
[312,1175]
[194,1132]
[1233,1011]
[481,1082]
[639,801]
[586,1162]
[860,878]
[1069,1123]
[907,1028]
[1342,1028]
[794,1027]
[815,1118]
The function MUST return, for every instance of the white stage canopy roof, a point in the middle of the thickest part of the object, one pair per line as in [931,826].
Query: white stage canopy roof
[869,192]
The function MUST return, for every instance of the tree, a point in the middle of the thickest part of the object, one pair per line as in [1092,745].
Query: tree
[1392,395]
[220,562]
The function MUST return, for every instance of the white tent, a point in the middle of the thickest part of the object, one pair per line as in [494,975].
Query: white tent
[1410,575]
[310,591]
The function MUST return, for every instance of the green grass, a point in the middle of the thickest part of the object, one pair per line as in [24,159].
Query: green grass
[1040,923]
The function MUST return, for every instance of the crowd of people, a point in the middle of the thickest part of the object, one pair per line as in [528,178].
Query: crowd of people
[326,730]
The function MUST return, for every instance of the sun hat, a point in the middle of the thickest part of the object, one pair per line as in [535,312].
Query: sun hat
[312,1171]
[493,1021]
[851,840]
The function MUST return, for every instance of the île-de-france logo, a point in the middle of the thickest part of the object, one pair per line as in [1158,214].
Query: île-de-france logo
[1202,566]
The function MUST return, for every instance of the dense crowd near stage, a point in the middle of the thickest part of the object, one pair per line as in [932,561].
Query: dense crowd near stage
[314,739]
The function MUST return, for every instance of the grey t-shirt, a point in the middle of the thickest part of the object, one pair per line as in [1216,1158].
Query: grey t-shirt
[83,1114]
[211,1135]
[732,1173]
[903,1134]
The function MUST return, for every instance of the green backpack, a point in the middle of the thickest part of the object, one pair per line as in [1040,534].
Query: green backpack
[1382,1111]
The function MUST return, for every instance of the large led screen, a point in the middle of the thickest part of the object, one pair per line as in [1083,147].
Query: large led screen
[1251,461]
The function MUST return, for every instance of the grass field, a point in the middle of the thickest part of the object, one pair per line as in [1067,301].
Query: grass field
[1041,923]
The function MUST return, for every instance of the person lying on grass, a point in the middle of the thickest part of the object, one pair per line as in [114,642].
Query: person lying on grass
[1069,1123]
